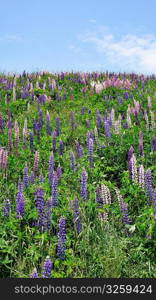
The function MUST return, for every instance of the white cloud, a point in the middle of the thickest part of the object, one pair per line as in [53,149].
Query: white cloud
[126,53]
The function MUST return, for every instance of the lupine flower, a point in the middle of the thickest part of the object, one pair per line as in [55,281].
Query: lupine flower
[90,152]
[124,210]
[98,197]
[99,120]
[141,176]
[148,186]
[36,162]
[103,216]
[61,147]
[19,204]
[133,169]
[48,129]
[6,207]
[34,274]
[47,267]
[105,194]
[50,168]
[79,150]
[129,121]
[54,135]
[130,153]
[40,179]
[72,161]
[25,177]
[54,191]
[83,189]
[107,128]
[61,238]
[39,203]
[59,172]
[31,141]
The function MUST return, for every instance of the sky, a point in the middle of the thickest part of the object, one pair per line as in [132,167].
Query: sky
[83,35]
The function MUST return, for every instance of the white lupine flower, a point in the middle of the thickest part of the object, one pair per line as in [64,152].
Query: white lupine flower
[141,176]
[134,174]
[105,194]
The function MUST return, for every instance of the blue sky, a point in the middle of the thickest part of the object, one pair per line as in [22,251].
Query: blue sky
[86,35]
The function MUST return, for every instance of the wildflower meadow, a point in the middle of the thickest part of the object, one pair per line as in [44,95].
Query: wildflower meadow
[77,175]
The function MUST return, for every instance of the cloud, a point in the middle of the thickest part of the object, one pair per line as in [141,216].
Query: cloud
[126,53]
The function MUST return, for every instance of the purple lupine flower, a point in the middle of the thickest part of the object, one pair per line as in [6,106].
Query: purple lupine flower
[54,135]
[124,211]
[153,146]
[25,177]
[34,274]
[99,120]
[54,191]
[59,172]
[141,148]
[154,203]
[57,122]
[48,210]
[48,129]
[40,179]
[47,267]
[39,203]
[79,150]
[61,148]
[83,188]
[6,207]
[19,204]
[40,119]
[90,152]
[130,153]
[107,128]
[72,161]
[31,141]
[148,186]
[50,168]
[61,238]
